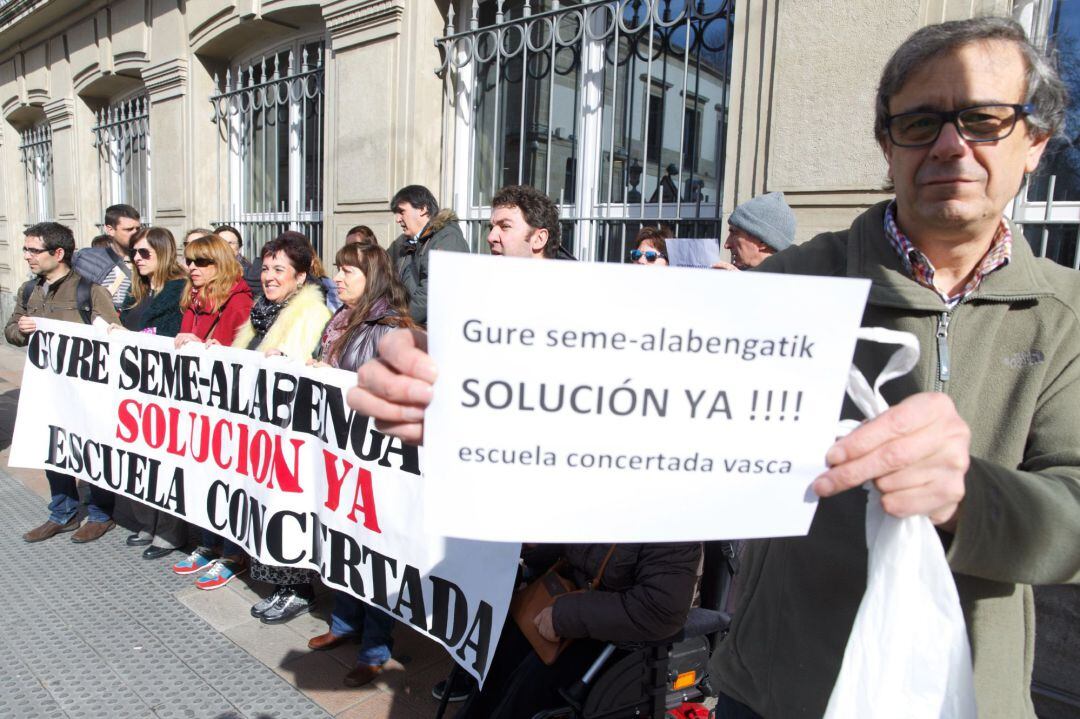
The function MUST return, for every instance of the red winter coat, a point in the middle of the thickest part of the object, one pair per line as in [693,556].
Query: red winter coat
[222,324]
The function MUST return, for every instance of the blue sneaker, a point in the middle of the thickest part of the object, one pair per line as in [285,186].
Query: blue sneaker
[198,561]
[220,574]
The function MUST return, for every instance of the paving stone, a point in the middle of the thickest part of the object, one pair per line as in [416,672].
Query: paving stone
[320,677]
[391,705]
[282,706]
[22,695]
[273,645]
[100,632]
[218,661]
[221,609]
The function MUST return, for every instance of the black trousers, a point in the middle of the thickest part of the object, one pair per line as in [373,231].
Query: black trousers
[728,708]
[518,684]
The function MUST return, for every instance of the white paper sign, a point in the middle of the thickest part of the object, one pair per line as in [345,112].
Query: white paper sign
[693,251]
[264,452]
[584,402]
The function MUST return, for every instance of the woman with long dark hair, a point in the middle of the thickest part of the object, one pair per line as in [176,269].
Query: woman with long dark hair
[154,302]
[154,307]
[374,302]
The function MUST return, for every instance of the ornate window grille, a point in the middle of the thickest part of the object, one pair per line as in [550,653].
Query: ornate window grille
[35,151]
[269,114]
[615,108]
[122,138]
[1048,204]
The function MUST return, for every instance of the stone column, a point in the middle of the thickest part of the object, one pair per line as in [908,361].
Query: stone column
[383,112]
[166,86]
[364,117]
[60,114]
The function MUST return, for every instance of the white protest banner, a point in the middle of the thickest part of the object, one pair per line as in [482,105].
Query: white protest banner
[611,403]
[267,453]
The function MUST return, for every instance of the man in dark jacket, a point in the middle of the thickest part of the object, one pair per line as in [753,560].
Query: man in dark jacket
[252,271]
[110,266]
[645,591]
[55,294]
[636,593]
[423,228]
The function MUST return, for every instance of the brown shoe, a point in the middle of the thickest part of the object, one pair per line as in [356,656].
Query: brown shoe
[91,531]
[362,674]
[326,641]
[50,529]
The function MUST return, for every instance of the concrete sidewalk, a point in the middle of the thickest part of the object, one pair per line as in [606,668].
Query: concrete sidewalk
[96,631]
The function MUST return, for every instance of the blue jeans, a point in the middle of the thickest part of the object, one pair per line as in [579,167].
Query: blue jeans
[350,616]
[64,504]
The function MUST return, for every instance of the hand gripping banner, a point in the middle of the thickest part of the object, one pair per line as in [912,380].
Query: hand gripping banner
[266,453]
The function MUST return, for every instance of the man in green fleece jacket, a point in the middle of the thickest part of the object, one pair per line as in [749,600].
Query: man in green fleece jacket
[983,437]
[963,110]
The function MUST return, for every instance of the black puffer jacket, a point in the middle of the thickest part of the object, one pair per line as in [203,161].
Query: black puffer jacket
[645,594]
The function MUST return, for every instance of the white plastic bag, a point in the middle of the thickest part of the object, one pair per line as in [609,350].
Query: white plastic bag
[908,653]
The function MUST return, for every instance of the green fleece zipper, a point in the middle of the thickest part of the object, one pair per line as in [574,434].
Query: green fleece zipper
[943,349]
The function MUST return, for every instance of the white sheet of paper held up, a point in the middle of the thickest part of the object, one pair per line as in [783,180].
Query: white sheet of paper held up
[581,402]
[693,251]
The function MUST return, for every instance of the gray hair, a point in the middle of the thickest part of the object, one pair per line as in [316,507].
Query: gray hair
[1045,90]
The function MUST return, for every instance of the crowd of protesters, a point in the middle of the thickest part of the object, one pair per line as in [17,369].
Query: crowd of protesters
[202,292]
[989,453]
[137,279]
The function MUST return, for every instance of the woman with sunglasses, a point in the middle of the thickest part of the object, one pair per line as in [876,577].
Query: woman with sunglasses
[374,302]
[154,302]
[154,307]
[215,302]
[651,247]
[287,320]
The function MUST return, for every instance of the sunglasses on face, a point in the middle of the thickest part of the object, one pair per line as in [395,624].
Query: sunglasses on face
[649,255]
[143,252]
[198,261]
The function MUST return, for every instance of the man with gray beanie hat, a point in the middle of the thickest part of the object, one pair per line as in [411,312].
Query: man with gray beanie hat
[759,227]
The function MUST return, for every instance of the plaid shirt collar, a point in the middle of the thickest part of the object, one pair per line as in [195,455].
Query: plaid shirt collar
[919,268]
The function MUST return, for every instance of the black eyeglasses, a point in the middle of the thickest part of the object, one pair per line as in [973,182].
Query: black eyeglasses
[199,261]
[35,250]
[981,123]
[143,252]
[649,255]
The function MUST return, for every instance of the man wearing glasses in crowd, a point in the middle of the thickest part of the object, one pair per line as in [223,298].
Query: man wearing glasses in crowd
[60,294]
[110,266]
[983,437]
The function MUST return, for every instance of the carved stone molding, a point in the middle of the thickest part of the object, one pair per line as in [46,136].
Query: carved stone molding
[60,113]
[166,80]
[356,22]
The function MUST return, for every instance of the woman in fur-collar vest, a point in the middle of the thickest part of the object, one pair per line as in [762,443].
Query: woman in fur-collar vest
[290,316]
[287,320]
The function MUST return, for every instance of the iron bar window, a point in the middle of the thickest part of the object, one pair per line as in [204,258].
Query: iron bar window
[122,138]
[269,114]
[35,151]
[1048,204]
[615,108]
